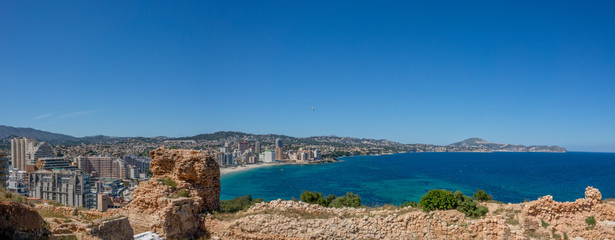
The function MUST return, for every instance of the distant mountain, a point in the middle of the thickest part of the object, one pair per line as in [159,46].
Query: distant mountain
[10,132]
[7,132]
[482,144]
[468,145]
[316,140]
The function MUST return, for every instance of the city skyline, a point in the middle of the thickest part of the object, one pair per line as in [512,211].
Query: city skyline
[520,73]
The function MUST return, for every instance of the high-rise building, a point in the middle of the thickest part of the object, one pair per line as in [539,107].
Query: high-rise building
[69,187]
[101,166]
[278,143]
[105,167]
[278,154]
[18,153]
[317,154]
[243,146]
[53,163]
[25,151]
[268,156]
[224,149]
[258,148]
[17,182]
[36,150]
[228,158]
[4,169]
[141,163]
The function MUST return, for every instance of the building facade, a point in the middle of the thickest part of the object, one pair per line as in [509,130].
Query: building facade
[36,150]
[48,163]
[4,169]
[69,187]
[17,182]
[18,153]
[268,156]
[258,148]
[99,166]
[243,146]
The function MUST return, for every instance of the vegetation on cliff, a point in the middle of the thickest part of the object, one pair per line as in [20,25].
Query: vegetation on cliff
[350,200]
[439,199]
[238,204]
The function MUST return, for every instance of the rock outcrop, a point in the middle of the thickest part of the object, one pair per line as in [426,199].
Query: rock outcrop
[185,184]
[68,222]
[540,219]
[20,221]
[113,229]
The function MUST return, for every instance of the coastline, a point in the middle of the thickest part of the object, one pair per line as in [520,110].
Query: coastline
[227,170]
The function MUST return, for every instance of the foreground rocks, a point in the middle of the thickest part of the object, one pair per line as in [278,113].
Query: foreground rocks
[185,185]
[540,219]
[84,224]
[20,221]
[178,202]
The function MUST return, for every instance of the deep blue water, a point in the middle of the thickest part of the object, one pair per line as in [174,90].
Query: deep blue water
[508,177]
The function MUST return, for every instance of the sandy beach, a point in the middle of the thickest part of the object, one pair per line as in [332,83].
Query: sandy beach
[227,170]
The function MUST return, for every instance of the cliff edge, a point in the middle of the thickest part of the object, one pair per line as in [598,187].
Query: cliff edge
[185,184]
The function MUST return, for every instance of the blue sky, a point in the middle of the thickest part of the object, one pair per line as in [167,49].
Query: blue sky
[427,71]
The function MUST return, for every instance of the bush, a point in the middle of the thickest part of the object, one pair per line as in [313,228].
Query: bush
[591,222]
[481,196]
[326,201]
[350,200]
[316,198]
[471,209]
[466,205]
[168,182]
[438,199]
[182,193]
[311,197]
[238,203]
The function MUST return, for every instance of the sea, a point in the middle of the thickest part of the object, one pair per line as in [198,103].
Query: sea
[397,178]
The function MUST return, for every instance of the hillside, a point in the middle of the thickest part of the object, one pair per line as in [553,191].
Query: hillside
[218,138]
[10,132]
[479,143]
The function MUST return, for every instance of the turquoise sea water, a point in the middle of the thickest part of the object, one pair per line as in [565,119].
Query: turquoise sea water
[509,177]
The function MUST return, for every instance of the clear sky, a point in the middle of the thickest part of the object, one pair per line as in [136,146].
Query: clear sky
[523,72]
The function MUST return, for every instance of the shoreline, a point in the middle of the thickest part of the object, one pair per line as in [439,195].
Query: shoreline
[227,170]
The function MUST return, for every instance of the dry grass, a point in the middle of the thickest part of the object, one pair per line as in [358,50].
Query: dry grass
[51,214]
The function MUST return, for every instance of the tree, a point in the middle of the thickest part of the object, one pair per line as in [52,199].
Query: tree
[350,200]
[438,199]
[481,196]
[311,197]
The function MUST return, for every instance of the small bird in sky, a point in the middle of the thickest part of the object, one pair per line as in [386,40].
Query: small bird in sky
[313,108]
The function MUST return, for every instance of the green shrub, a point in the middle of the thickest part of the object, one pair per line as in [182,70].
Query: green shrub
[168,182]
[350,200]
[412,204]
[238,203]
[326,201]
[565,236]
[468,206]
[472,209]
[182,193]
[438,199]
[316,198]
[543,223]
[481,196]
[311,197]
[591,222]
